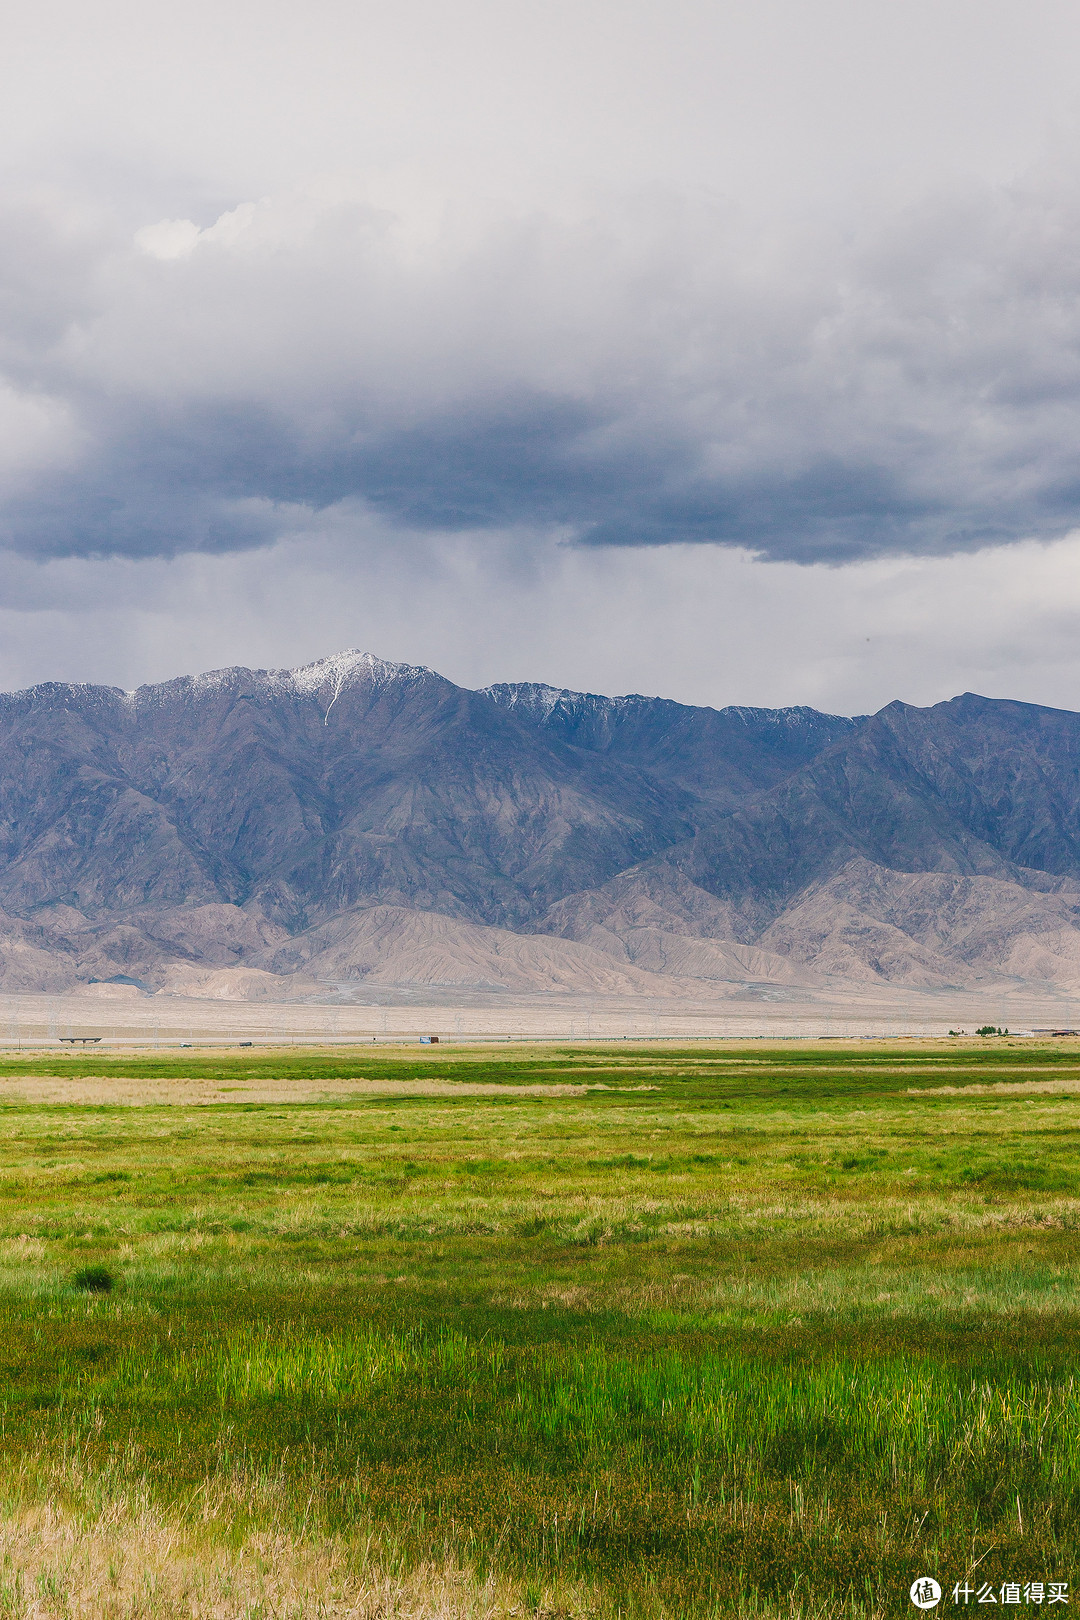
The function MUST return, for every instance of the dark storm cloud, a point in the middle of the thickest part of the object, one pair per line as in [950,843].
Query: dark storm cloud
[646,379]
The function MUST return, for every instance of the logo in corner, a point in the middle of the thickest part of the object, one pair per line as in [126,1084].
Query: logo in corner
[925,1592]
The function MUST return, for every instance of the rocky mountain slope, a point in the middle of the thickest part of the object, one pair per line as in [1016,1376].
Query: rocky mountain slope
[356,821]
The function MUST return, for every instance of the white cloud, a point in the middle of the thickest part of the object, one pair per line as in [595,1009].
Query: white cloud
[36,434]
[168,239]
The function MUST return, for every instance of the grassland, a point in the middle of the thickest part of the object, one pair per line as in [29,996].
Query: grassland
[596,1331]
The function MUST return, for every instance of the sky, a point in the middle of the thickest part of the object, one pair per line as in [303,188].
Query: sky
[724,351]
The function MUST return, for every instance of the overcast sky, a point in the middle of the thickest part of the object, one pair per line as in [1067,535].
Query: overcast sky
[729,351]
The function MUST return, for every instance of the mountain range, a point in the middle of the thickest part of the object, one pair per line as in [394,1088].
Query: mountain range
[359,822]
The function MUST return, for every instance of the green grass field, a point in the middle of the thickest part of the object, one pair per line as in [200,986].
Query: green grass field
[601,1331]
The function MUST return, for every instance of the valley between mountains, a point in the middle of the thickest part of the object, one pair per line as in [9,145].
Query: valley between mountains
[352,824]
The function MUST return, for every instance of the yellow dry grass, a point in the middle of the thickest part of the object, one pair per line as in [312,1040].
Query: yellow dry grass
[125,1565]
[191,1091]
[1001,1088]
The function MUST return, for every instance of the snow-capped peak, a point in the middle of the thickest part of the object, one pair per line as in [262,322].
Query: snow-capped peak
[340,669]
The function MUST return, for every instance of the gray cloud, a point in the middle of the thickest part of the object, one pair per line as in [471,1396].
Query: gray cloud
[654,374]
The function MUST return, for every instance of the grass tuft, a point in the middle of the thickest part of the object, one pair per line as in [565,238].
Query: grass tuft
[93,1280]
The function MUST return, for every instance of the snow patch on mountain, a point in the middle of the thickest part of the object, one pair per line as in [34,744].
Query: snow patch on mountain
[794,716]
[539,702]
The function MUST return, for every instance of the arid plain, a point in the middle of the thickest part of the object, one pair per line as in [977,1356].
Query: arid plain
[757,1011]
